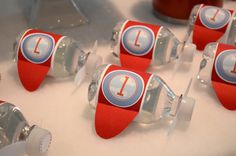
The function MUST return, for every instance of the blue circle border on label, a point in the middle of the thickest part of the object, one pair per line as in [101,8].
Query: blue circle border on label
[122,103]
[209,25]
[144,52]
[219,66]
[31,59]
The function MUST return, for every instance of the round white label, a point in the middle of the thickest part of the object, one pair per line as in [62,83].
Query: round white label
[138,40]
[225,66]
[214,17]
[122,88]
[37,47]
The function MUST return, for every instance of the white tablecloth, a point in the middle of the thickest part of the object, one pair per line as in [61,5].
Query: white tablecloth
[66,113]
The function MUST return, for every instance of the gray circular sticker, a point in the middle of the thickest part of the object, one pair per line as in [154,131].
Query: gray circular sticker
[214,17]
[37,47]
[225,66]
[138,40]
[122,88]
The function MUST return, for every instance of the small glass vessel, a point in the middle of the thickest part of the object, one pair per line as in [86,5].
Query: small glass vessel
[159,101]
[229,36]
[167,49]
[14,129]
[68,57]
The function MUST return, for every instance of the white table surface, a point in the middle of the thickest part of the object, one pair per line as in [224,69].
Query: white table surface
[55,105]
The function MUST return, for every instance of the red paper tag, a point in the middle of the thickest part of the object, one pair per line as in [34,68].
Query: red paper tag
[1,102]
[120,97]
[34,57]
[211,24]
[224,75]
[137,44]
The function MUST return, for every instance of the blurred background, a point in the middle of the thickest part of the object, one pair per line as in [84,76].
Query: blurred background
[66,113]
[99,17]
